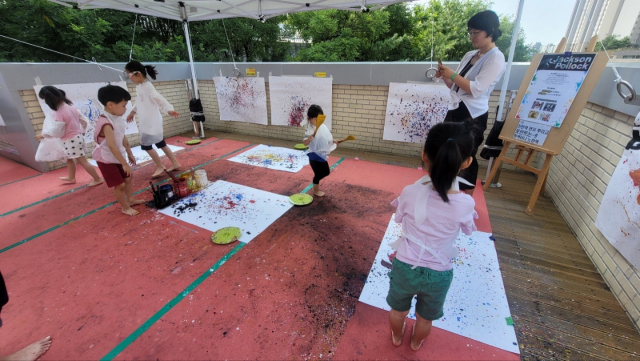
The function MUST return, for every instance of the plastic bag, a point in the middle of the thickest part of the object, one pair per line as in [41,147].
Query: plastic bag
[51,148]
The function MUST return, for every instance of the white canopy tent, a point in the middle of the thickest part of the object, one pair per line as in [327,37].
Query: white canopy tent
[196,10]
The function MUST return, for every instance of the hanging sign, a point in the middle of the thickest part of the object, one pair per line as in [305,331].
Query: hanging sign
[250,71]
[320,74]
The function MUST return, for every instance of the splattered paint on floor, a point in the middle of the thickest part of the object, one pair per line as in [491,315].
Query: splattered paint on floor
[412,109]
[476,305]
[288,160]
[142,156]
[225,204]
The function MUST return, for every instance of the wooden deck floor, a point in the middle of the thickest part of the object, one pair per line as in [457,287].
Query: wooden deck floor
[561,306]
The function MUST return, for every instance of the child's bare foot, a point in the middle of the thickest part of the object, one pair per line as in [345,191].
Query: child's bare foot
[157,173]
[31,352]
[174,167]
[95,183]
[413,334]
[135,202]
[130,211]
[318,194]
[68,180]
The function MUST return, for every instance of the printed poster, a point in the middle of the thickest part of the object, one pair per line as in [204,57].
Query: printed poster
[555,84]
[532,132]
[412,109]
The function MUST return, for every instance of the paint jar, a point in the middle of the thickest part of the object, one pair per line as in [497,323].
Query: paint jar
[201,178]
[181,188]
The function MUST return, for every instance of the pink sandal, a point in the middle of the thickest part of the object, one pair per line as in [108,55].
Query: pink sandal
[392,341]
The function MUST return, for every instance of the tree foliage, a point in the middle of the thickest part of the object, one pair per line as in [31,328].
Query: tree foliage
[398,32]
[613,42]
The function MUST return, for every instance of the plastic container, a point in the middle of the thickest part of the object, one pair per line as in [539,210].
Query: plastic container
[201,178]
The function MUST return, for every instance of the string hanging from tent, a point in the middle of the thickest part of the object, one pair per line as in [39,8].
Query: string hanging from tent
[57,52]
[235,68]
[431,72]
[133,38]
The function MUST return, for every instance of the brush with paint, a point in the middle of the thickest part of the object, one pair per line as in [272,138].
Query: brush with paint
[319,122]
[349,137]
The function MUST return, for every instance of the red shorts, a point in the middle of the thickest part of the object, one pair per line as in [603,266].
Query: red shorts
[112,173]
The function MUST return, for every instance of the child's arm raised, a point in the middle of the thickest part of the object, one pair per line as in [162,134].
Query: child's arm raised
[308,140]
[107,131]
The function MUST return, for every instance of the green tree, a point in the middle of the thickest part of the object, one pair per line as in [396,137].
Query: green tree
[613,42]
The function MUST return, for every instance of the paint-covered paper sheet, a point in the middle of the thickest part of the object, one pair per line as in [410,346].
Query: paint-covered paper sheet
[288,160]
[476,305]
[412,109]
[242,99]
[619,214]
[84,96]
[224,204]
[292,96]
[142,156]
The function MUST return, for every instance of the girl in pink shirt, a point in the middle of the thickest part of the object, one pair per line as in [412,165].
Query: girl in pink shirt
[432,212]
[73,138]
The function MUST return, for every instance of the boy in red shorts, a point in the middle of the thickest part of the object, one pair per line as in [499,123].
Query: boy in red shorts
[111,145]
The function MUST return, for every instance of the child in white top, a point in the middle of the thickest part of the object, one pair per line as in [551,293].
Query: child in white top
[149,104]
[432,212]
[112,144]
[320,146]
[73,138]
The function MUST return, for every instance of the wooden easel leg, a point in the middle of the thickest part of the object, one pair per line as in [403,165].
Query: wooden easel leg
[496,165]
[542,177]
[544,186]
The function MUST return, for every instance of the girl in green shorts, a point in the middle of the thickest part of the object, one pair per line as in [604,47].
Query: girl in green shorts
[432,212]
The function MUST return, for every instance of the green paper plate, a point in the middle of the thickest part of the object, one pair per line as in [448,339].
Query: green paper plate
[192,142]
[300,146]
[226,235]
[300,199]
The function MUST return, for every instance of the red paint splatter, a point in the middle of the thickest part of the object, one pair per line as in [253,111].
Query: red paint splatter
[635,177]
[252,201]
[296,114]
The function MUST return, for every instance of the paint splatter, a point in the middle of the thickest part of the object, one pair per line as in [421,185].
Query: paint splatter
[298,110]
[242,99]
[277,158]
[635,177]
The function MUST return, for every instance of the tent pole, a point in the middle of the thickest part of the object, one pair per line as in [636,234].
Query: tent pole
[187,38]
[507,72]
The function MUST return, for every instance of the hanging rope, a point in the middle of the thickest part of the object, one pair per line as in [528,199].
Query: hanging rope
[133,38]
[57,52]
[235,68]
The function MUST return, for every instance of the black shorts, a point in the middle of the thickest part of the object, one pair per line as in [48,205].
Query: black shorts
[159,145]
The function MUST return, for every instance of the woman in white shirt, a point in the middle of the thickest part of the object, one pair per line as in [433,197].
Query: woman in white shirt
[473,81]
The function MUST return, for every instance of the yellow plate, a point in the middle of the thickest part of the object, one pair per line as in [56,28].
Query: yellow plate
[226,235]
[300,146]
[192,142]
[300,199]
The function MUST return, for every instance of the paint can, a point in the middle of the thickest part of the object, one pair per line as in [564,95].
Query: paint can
[164,196]
[201,178]
[181,188]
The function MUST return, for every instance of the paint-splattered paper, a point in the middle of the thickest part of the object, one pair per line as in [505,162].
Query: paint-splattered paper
[292,96]
[84,96]
[619,214]
[476,306]
[142,156]
[242,99]
[223,204]
[412,109]
[288,160]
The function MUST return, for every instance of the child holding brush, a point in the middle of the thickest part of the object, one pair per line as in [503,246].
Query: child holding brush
[320,143]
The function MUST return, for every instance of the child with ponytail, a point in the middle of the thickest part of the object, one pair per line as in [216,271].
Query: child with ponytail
[149,104]
[432,212]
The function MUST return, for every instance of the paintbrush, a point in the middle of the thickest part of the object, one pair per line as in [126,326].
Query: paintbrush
[319,122]
[349,137]
[172,176]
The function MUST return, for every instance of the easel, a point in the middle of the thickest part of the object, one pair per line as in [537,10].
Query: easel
[557,137]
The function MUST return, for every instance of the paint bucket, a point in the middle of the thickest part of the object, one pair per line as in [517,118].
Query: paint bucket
[181,188]
[164,196]
[201,178]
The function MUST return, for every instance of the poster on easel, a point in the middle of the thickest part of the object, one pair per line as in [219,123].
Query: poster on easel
[553,88]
